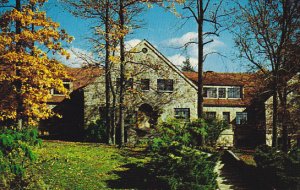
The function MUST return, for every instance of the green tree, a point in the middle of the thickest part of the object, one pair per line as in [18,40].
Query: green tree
[187,65]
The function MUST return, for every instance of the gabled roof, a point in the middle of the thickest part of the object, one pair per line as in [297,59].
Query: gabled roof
[167,61]
[250,82]
[81,77]
[84,76]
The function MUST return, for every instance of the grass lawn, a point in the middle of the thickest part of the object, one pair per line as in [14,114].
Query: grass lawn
[88,166]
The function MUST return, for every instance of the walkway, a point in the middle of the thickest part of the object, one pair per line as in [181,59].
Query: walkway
[232,177]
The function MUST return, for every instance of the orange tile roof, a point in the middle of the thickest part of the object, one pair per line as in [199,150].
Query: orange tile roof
[81,77]
[251,83]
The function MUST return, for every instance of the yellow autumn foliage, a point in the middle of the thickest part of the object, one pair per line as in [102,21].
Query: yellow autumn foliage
[30,66]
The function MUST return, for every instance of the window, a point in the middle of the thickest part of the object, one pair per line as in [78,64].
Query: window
[128,83]
[234,92]
[241,118]
[211,115]
[145,84]
[164,84]
[66,84]
[210,92]
[222,92]
[226,117]
[182,113]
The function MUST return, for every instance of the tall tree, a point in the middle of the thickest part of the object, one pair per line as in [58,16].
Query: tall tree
[123,32]
[113,18]
[266,34]
[126,12]
[27,72]
[102,12]
[203,12]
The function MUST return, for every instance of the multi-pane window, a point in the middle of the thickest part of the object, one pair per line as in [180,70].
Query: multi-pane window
[241,118]
[182,113]
[226,117]
[222,92]
[165,85]
[145,84]
[211,115]
[210,92]
[234,92]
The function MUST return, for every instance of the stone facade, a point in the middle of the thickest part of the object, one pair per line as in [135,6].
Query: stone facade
[227,136]
[294,136]
[169,93]
[152,66]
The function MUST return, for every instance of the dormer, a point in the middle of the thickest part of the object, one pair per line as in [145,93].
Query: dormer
[222,92]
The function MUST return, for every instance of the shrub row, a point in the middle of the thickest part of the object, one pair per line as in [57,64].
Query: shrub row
[278,169]
[176,158]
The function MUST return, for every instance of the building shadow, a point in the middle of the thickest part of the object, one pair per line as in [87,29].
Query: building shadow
[135,176]
[240,176]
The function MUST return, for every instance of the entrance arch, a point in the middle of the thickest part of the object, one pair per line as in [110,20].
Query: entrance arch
[145,116]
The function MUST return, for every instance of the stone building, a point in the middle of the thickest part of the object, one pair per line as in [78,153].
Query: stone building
[234,98]
[292,120]
[157,90]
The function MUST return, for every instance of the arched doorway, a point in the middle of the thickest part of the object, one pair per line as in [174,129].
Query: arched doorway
[145,116]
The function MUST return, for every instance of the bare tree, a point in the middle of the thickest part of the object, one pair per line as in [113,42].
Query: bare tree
[105,17]
[203,12]
[265,33]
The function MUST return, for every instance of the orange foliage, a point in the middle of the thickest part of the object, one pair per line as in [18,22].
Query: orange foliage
[31,66]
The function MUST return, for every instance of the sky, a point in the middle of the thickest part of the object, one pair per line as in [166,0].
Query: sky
[162,29]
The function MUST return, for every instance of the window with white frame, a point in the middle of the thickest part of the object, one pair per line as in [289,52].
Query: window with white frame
[241,118]
[234,92]
[210,92]
[182,113]
[222,92]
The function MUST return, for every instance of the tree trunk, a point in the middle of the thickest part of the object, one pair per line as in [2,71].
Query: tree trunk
[200,59]
[107,74]
[113,110]
[113,120]
[18,83]
[275,115]
[122,76]
[284,121]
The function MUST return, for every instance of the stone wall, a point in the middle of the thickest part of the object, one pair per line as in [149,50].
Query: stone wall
[151,65]
[227,136]
[94,98]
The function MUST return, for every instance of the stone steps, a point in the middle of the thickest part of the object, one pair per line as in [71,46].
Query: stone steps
[230,178]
